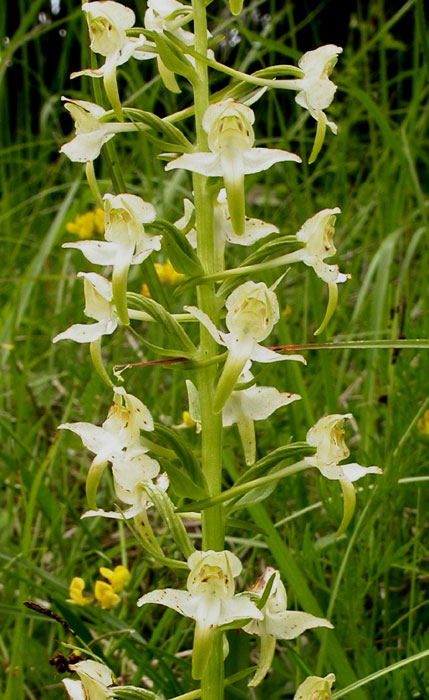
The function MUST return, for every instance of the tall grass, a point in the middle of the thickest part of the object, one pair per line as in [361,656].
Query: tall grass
[371,580]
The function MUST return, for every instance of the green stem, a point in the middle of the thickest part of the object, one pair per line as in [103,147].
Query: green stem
[212,522]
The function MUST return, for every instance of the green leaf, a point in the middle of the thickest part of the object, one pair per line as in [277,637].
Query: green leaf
[165,507]
[130,692]
[183,257]
[275,459]
[173,329]
[183,452]
[166,135]
[172,57]
[181,484]
[255,496]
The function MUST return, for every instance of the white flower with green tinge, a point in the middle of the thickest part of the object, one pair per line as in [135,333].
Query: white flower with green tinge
[132,469]
[317,235]
[230,139]
[243,407]
[94,683]
[252,312]
[209,600]
[99,306]
[91,132]
[126,243]
[316,90]
[117,438]
[108,22]
[277,622]
[315,688]
[327,436]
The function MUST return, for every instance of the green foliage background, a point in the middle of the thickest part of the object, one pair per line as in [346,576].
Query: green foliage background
[373,580]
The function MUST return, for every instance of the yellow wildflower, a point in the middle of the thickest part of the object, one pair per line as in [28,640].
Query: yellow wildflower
[286,312]
[99,220]
[423,424]
[76,592]
[105,595]
[187,420]
[167,274]
[145,290]
[118,578]
[86,225]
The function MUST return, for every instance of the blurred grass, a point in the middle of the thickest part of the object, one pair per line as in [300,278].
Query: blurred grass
[373,579]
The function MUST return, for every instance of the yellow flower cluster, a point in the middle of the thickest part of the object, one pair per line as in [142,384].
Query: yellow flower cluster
[167,275]
[105,594]
[86,225]
[423,423]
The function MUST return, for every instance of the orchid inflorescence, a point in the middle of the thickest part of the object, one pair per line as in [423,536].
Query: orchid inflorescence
[150,464]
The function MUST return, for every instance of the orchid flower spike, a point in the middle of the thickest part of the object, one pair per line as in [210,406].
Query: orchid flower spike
[254,229]
[243,407]
[327,436]
[107,25]
[91,132]
[316,91]
[317,234]
[252,312]
[277,622]
[230,139]
[126,244]
[315,688]
[99,306]
[120,432]
[209,600]
[94,683]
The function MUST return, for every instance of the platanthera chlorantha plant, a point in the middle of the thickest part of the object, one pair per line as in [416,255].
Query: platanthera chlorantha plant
[233,312]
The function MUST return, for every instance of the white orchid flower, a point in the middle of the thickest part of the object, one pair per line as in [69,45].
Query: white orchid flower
[209,600]
[252,312]
[254,229]
[277,622]
[316,91]
[91,132]
[99,306]
[315,688]
[327,436]
[230,139]
[119,433]
[132,469]
[107,25]
[126,243]
[317,235]
[95,679]
[243,407]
